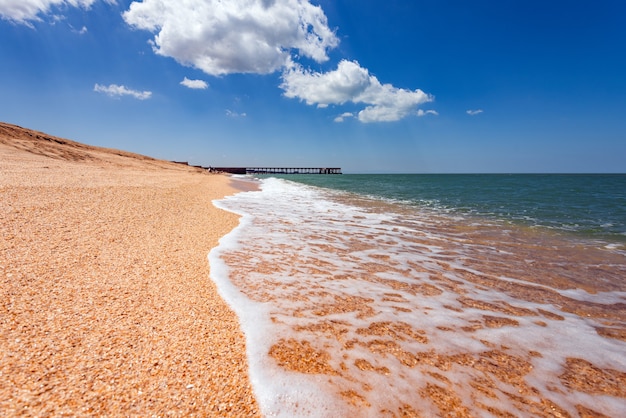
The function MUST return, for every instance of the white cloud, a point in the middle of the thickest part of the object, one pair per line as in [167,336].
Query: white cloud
[114,90]
[334,87]
[235,36]
[343,116]
[248,36]
[421,112]
[80,31]
[23,11]
[264,36]
[352,83]
[474,112]
[194,84]
[232,114]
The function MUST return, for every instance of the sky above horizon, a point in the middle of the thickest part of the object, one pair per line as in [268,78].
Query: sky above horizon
[402,86]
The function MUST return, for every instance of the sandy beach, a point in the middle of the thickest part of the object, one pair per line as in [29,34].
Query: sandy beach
[106,306]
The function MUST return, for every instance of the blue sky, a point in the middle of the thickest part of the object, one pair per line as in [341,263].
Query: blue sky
[369,86]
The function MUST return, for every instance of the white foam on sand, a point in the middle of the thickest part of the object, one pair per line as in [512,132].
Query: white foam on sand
[279,394]
[391,303]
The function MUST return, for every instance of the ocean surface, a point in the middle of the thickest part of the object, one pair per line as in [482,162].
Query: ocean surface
[431,295]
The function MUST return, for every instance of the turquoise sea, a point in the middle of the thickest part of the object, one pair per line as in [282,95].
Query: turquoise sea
[588,205]
[431,295]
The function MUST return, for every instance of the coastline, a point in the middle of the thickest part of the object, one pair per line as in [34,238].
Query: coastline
[108,308]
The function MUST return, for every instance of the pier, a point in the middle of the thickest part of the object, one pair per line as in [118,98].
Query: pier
[267,170]
[278,170]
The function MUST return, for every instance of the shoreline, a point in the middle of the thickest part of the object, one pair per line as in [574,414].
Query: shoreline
[108,304]
[366,306]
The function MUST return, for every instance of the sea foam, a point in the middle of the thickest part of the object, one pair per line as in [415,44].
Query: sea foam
[360,307]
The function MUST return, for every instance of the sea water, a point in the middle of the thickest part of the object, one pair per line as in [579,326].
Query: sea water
[431,295]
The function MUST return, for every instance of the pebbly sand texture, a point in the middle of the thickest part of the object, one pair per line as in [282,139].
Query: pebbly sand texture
[106,306]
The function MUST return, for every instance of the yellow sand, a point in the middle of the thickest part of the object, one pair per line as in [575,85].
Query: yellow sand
[106,306]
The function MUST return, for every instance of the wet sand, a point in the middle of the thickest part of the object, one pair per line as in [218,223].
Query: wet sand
[106,306]
[376,309]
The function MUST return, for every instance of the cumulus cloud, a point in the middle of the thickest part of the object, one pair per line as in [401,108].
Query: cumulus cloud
[235,36]
[115,90]
[194,84]
[474,112]
[24,11]
[248,36]
[352,83]
[265,36]
[421,112]
[344,116]
[342,85]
